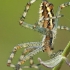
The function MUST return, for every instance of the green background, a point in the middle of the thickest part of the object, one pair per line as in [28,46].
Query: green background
[12,34]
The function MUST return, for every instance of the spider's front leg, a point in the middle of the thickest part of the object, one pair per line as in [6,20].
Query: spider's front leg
[27,7]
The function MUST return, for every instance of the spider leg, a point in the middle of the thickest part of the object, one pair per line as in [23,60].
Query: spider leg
[27,7]
[64,28]
[52,62]
[9,62]
[41,30]
[32,64]
[24,24]
[61,7]
[28,56]
[67,62]
[31,48]
[59,11]
[56,19]
[34,27]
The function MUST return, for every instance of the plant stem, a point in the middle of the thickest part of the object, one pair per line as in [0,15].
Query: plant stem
[65,53]
[66,50]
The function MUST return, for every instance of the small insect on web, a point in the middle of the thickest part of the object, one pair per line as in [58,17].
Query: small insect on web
[47,25]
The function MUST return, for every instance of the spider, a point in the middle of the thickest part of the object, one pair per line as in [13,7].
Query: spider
[47,26]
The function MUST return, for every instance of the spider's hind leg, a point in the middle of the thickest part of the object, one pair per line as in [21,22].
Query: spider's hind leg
[28,53]
[31,47]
